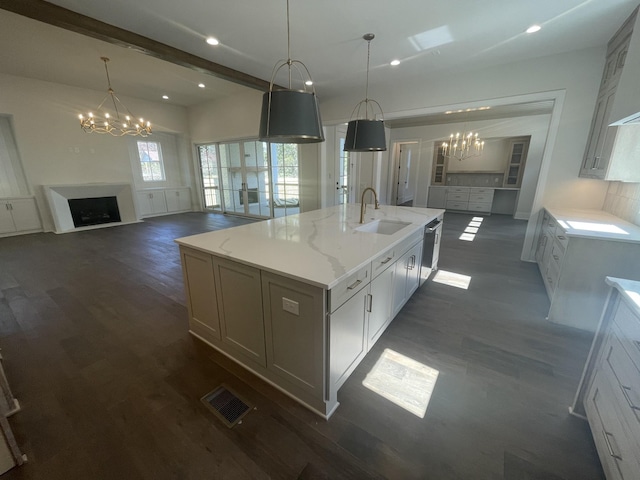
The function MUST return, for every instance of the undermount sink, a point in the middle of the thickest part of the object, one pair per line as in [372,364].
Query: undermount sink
[383,227]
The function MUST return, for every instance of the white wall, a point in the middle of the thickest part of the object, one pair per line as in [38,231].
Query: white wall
[238,117]
[578,73]
[53,148]
[495,151]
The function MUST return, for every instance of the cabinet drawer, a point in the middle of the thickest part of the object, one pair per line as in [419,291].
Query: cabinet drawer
[551,276]
[457,197]
[458,190]
[483,191]
[453,205]
[481,197]
[625,380]
[616,454]
[629,326]
[348,287]
[561,237]
[557,252]
[383,261]
[479,207]
[402,247]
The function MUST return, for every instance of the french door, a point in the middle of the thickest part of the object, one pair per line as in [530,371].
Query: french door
[344,171]
[250,178]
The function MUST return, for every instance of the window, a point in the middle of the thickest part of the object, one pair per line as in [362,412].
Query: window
[150,156]
[285,178]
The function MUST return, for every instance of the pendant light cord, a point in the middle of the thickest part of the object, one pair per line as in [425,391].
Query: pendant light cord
[366,91]
[288,45]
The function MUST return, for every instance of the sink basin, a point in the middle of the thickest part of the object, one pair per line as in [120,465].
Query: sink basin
[383,227]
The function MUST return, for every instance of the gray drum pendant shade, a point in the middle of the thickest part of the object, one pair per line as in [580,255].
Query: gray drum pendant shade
[288,115]
[366,134]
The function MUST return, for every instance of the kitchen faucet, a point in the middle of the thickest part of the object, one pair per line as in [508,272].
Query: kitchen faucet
[363,206]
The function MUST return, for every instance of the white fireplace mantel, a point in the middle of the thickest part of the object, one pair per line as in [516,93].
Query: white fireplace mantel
[58,197]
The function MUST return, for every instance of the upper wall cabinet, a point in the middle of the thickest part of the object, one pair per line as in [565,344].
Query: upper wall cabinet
[518,149]
[608,152]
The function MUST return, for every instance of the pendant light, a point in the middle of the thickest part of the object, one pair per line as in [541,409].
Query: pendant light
[366,134]
[288,115]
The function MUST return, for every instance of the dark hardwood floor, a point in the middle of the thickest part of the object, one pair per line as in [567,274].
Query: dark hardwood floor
[93,330]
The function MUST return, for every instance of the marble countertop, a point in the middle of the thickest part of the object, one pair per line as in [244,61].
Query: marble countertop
[630,291]
[595,224]
[318,247]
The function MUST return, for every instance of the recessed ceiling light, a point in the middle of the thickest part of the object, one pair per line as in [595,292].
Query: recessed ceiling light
[534,29]
[308,83]
[201,85]
[395,62]
[212,41]
[166,97]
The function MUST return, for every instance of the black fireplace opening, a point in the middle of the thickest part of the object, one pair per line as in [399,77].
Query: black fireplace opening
[94,211]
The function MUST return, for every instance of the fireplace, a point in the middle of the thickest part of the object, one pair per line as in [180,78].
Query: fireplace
[90,205]
[94,211]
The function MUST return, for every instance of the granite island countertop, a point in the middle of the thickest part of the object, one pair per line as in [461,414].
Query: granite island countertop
[319,247]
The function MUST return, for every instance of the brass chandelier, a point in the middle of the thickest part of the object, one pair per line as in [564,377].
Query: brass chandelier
[114,124]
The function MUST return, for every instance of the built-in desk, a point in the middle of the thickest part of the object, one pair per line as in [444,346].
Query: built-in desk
[481,200]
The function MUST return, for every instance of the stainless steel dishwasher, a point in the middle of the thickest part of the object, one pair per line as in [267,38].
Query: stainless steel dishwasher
[430,248]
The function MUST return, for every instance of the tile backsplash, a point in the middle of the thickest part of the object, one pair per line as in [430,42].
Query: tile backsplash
[623,200]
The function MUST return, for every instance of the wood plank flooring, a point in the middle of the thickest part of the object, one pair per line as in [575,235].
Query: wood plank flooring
[93,329]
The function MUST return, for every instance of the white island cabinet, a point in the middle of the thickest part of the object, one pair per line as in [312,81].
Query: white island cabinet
[300,300]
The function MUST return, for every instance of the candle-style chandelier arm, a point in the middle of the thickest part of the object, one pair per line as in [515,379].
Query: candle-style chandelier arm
[459,147]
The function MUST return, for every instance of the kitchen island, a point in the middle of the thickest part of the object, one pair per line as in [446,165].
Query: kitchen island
[300,300]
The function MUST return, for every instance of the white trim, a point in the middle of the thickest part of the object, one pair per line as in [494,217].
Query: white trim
[558,97]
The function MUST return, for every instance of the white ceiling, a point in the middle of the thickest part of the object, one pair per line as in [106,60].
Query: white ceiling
[326,35]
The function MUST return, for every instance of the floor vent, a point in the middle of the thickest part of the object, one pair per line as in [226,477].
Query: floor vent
[226,405]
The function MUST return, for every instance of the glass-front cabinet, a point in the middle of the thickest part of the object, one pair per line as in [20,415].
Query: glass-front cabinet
[439,166]
[515,164]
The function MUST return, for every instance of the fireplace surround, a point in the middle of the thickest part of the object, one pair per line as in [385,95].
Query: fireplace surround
[59,197]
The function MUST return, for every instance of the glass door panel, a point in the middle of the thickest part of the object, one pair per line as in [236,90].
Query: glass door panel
[210,177]
[232,178]
[285,178]
[256,165]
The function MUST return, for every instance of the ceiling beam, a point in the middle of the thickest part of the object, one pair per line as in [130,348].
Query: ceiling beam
[61,17]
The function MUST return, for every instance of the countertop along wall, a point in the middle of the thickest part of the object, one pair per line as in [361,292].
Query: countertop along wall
[54,150]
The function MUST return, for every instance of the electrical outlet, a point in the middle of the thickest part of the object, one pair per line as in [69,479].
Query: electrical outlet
[290,306]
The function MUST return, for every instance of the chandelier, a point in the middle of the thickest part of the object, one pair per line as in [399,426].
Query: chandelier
[114,124]
[463,146]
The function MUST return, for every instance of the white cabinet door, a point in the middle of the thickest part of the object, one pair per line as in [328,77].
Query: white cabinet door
[6,219]
[239,292]
[407,277]
[380,305]
[201,293]
[413,269]
[151,203]
[178,199]
[294,328]
[347,338]
[25,214]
